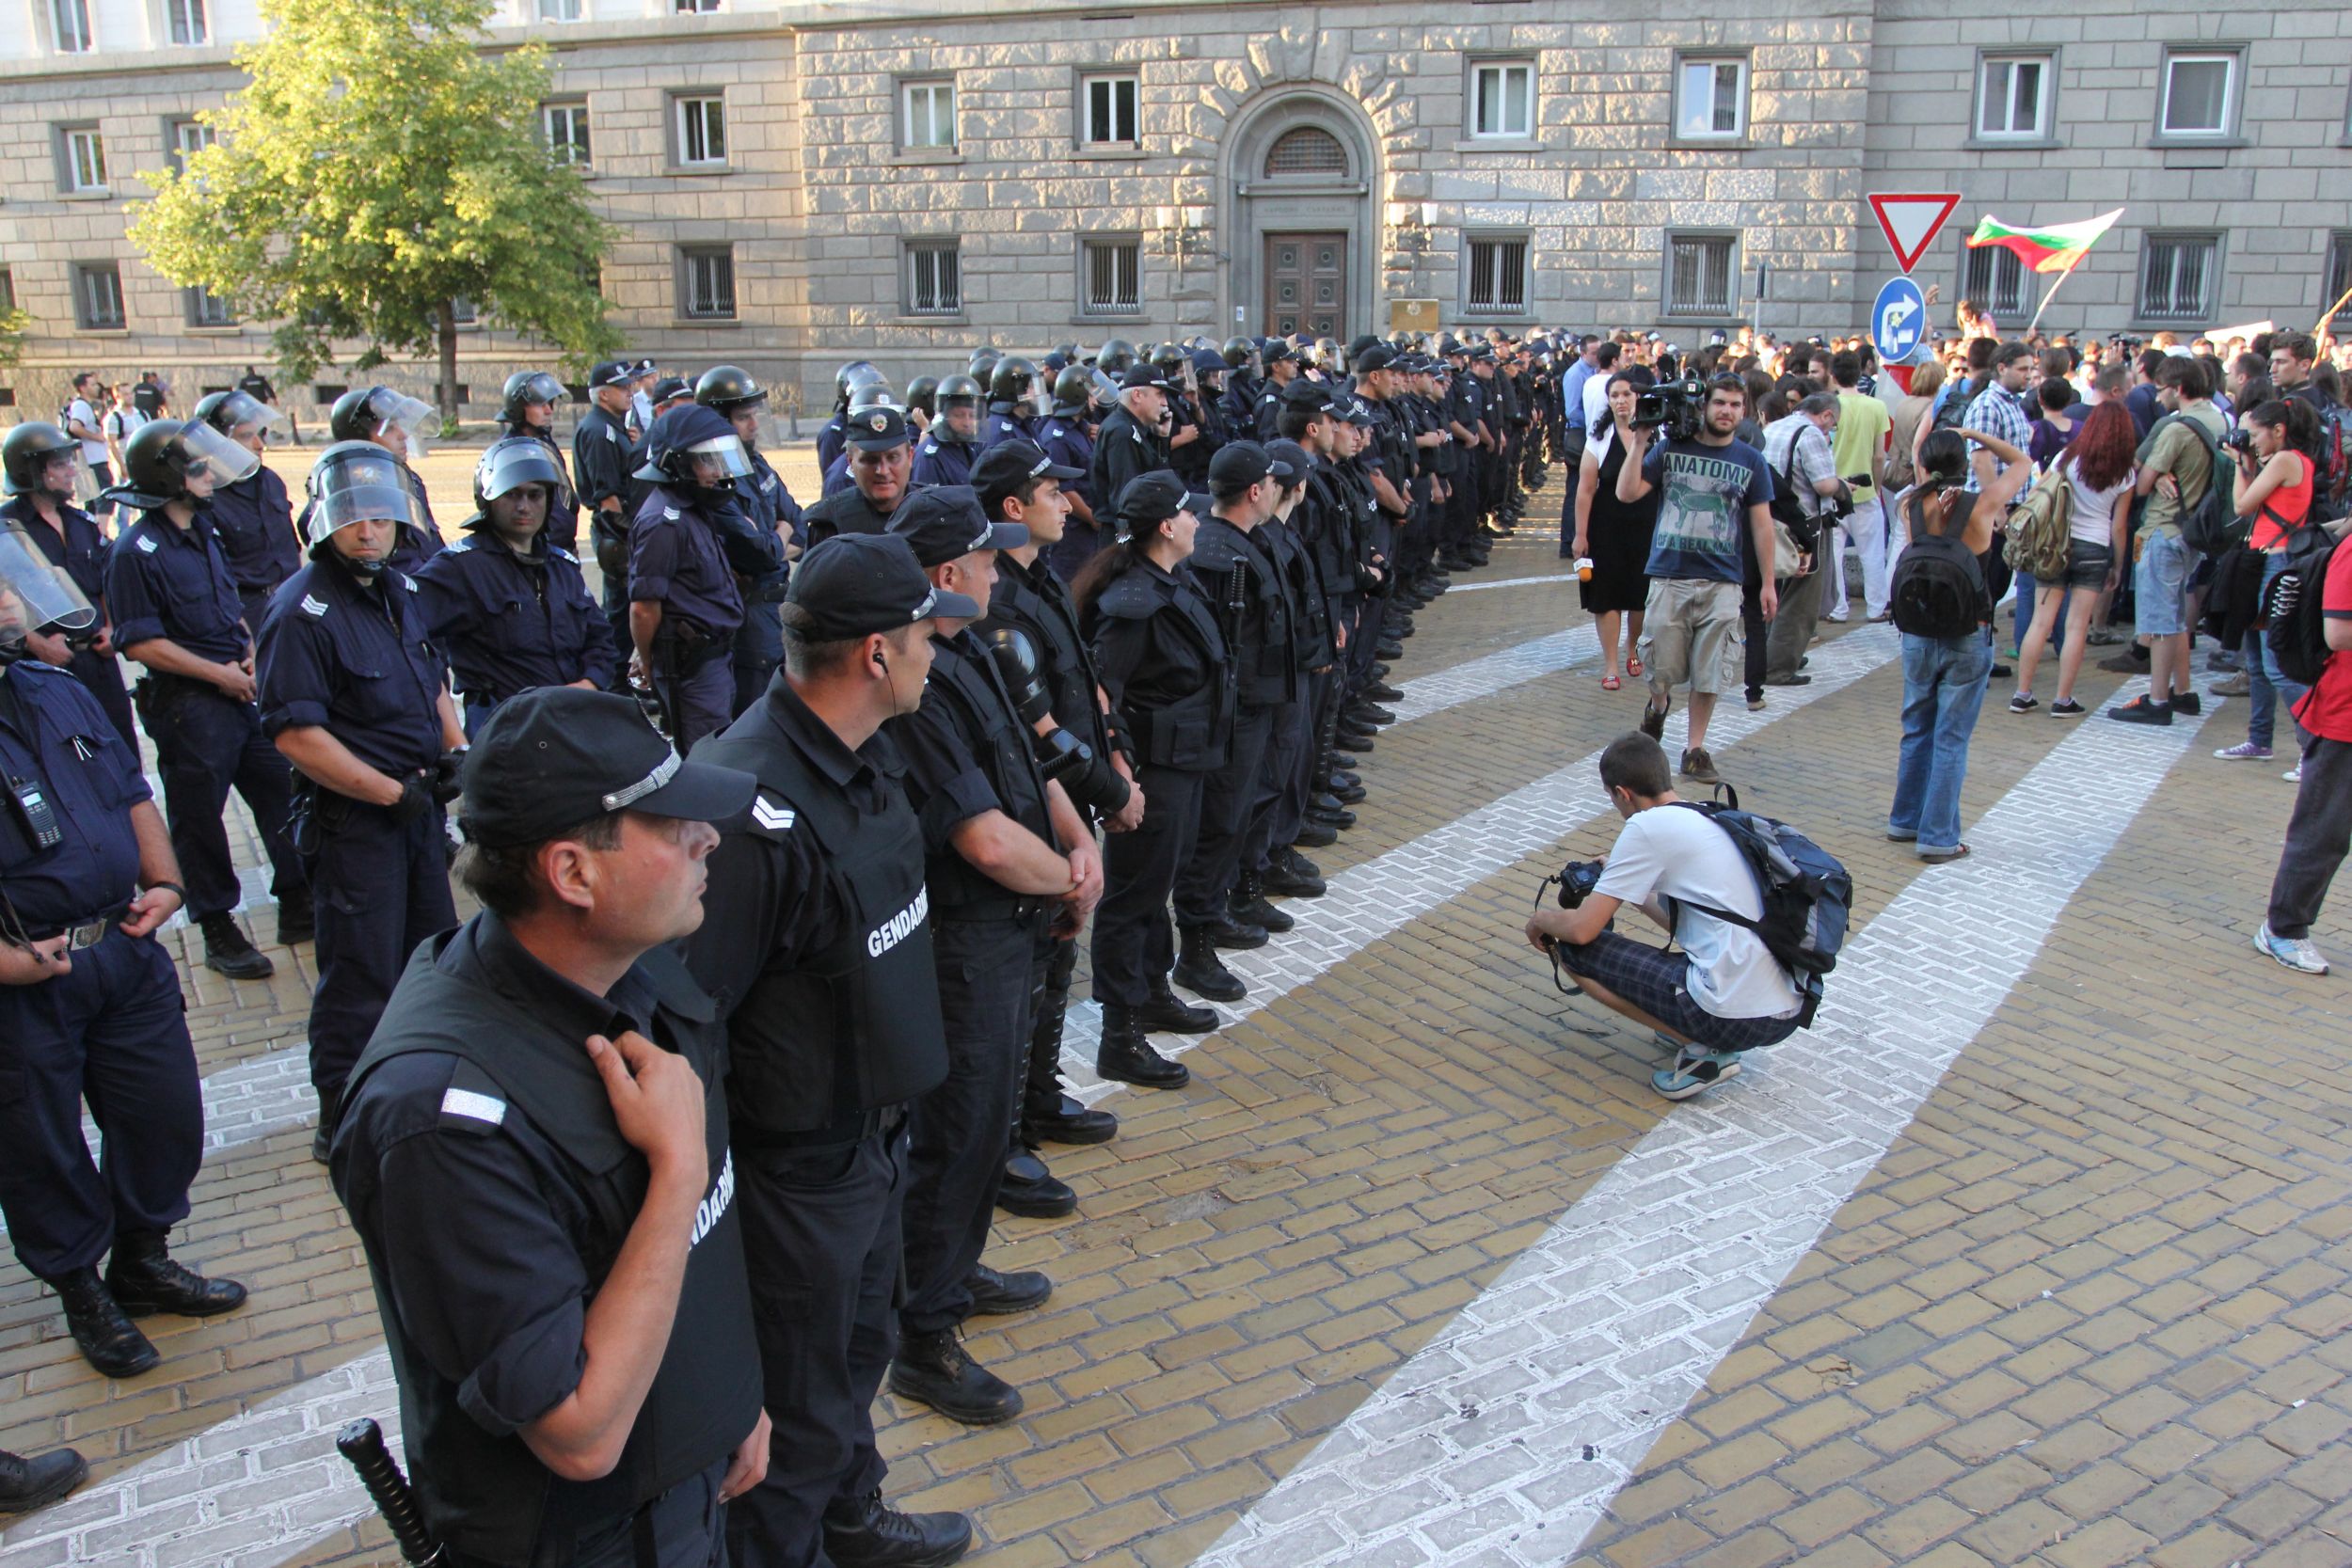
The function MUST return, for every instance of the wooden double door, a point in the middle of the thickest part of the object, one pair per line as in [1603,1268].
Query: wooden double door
[1306,285]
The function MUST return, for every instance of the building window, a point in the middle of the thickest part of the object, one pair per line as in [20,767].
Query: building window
[1994,279]
[2178,273]
[206,308]
[1503,99]
[560,10]
[565,127]
[702,132]
[189,137]
[928,115]
[8,290]
[1702,275]
[70,21]
[2014,96]
[1308,149]
[1108,107]
[97,296]
[696,8]
[1110,275]
[1497,281]
[934,276]
[184,21]
[706,282]
[2339,268]
[85,159]
[463,312]
[2199,94]
[1711,97]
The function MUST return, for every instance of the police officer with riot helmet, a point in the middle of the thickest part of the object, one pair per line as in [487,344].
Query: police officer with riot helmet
[526,406]
[846,380]
[880,461]
[923,400]
[534,1153]
[90,1007]
[508,605]
[1012,388]
[952,444]
[995,832]
[1161,651]
[253,518]
[689,541]
[397,423]
[769,507]
[37,465]
[603,458]
[817,931]
[1239,403]
[354,694]
[178,614]
[1066,434]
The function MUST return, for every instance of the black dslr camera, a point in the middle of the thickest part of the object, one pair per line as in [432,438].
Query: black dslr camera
[1670,406]
[2239,439]
[1577,881]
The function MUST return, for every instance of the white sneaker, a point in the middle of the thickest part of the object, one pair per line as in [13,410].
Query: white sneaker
[1838,615]
[2294,775]
[2296,953]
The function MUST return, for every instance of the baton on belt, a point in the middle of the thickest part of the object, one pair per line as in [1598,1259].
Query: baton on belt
[362,1443]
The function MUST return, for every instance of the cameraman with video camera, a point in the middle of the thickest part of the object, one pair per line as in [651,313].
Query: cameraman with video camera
[1724,992]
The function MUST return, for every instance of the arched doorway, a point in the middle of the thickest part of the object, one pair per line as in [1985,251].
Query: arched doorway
[1300,176]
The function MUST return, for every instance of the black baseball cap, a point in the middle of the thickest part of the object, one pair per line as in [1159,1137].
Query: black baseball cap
[671,387]
[1377,357]
[611,372]
[945,523]
[877,428]
[1353,412]
[555,756]
[1144,376]
[1006,466]
[1238,464]
[854,584]
[1290,454]
[1152,497]
[1274,349]
[1306,394]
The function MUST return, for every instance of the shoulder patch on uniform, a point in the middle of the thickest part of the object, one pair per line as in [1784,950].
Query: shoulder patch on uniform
[458,546]
[147,542]
[612,434]
[473,1106]
[409,583]
[562,554]
[313,608]
[670,512]
[774,818]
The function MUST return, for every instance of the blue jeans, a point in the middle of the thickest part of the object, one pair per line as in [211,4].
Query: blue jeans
[2264,683]
[1944,682]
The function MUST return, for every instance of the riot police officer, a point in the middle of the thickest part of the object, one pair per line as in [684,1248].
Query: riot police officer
[526,406]
[879,462]
[40,462]
[1239,403]
[1163,662]
[846,380]
[354,694]
[1281,369]
[89,1003]
[508,605]
[818,932]
[1011,385]
[603,459]
[1133,438]
[534,1153]
[1007,855]
[769,507]
[949,447]
[177,613]
[397,423]
[1066,434]
[252,517]
[923,398]
[688,542]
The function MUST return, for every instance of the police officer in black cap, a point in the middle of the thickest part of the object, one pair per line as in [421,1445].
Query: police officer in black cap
[508,605]
[1011,393]
[396,422]
[253,517]
[1164,661]
[534,1152]
[1133,437]
[687,544]
[356,695]
[89,1003]
[951,445]
[1009,856]
[769,506]
[604,458]
[37,465]
[527,407]
[881,463]
[177,613]
[1282,370]
[819,942]
[1019,483]
[846,380]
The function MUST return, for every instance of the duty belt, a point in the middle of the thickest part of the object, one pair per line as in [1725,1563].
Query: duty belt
[79,934]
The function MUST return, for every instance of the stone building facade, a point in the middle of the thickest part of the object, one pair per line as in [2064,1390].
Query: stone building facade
[800,184]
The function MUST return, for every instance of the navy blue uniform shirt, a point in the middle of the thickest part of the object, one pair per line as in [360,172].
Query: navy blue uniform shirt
[675,559]
[254,518]
[164,581]
[53,733]
[356,661]
[508,624]
[944,461]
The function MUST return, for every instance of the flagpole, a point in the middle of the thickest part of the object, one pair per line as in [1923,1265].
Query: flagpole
[2054,289]
[2322,325]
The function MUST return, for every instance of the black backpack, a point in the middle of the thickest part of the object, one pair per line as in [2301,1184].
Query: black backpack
[1807,895]
[2297,633]
[1938,588]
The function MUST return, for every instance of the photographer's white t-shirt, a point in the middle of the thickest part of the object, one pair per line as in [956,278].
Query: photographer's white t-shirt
[1681,854]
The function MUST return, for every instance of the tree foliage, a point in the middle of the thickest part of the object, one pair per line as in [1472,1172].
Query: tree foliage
[13,325]
[379,165]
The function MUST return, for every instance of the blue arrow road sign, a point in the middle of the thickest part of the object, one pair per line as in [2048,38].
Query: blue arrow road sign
[1899,317]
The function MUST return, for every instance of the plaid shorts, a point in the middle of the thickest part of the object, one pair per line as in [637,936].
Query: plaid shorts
[1652,979]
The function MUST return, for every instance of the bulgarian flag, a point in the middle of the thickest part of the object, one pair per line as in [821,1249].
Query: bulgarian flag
[2049,247]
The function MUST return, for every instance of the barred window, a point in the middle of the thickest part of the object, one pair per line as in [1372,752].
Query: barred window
[706,282]
[1702,275]
[1497,281]
[934,277]
[2177,274]
[1308,149]
[1112,270]
[1995,279]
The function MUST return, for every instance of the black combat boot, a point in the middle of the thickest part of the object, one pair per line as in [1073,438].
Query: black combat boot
[1199,971]
[110,1340]
[29,1482]
[143,1278]
[228,951]
[1127,1058]
[1248,904]
[933,1370]
[866,1534]
[1171,1014]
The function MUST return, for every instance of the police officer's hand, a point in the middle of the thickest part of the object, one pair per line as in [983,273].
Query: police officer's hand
[748,1466]
[1086,867]
[150,910]
[235,681]
[445,776]
[416,798]
[31,965]
[656,1101]
[1127,818]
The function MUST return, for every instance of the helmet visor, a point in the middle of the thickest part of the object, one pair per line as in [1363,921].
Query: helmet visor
[238,411]
[412,417]
[715,461]
[510,465]
[361,489]
[541,387]
[209,451]
[35,596]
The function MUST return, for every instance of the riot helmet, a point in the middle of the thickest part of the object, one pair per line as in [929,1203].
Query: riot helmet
[1012,380]
[358,483]
[959,399]
[374,413]
[1238,352]
[162,455]
[241,414]
[726,388]
[25,456]
[871,394]
[1074,392]
[35,596]
[517,460]
[848,376]
[694,448]
[1115,358]
[922,393]
[524,389]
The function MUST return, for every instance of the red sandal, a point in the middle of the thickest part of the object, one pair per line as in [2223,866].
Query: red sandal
[1633,667]
[1610,683]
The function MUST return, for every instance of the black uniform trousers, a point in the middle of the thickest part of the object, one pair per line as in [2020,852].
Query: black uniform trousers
[102,674]
[379,886]
[988,972]
[1134,947]
[1042,1092]
[1207,876]
[112,1032]
[206,744]
[683,1528]
[1274,815]
[821,1240]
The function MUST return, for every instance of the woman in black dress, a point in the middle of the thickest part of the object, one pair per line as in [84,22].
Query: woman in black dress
[1615,534]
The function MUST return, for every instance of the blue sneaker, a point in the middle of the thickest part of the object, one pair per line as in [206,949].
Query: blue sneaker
[1695,1070]
[2296,953]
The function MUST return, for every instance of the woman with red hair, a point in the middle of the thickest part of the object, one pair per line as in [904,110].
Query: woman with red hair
[2098,465]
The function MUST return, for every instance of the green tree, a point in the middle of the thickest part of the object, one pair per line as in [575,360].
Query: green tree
[380,165]
[13,325]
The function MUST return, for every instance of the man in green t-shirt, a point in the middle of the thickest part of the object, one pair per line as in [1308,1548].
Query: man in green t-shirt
[2175,468]
[1863,427]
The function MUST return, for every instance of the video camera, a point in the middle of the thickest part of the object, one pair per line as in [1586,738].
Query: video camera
[1673,407]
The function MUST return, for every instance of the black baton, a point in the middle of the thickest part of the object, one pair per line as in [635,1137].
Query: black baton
[362,1443]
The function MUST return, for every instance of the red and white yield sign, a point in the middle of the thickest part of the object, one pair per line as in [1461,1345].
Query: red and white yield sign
[1911,220]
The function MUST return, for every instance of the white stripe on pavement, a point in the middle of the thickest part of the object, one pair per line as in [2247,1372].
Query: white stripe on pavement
[1565,579]
[1505,1439]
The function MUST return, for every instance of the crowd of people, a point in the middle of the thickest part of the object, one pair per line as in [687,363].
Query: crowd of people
[786,823]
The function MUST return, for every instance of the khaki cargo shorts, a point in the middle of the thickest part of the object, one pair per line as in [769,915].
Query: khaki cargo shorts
[1691,633]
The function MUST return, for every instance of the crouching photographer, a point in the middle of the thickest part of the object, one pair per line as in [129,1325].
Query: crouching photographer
[1695,871]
